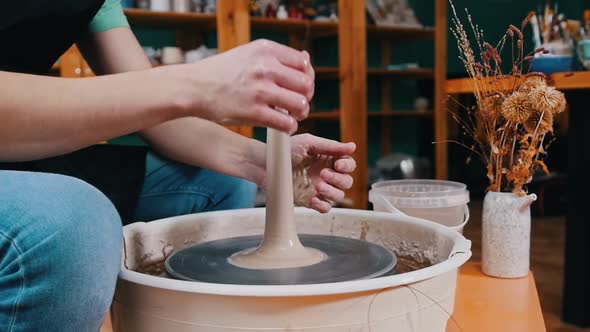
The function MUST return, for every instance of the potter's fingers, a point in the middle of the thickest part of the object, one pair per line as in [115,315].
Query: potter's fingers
[292,79]
[269,117]
[319,205]
[310,72]
[329,192]
[324,146]
[338,180]
[345,164]
[285,54]
[295,103]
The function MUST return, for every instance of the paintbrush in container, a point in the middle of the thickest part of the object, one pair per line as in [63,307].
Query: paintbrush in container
[536,31]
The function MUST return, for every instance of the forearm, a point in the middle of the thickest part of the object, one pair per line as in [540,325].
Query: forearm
[192,141]
[45,116]
[205,144]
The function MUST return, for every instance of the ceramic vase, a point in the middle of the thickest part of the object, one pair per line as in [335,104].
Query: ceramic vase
[506,234]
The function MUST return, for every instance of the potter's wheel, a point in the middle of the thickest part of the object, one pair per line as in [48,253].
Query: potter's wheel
[347,259]
[280,257]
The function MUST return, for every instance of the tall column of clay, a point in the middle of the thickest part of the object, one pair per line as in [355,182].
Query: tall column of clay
[280,247]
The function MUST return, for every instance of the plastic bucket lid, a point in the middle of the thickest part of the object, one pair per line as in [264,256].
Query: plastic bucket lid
[420,193]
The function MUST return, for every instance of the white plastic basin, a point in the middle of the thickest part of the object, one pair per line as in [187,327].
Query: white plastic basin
[414,301]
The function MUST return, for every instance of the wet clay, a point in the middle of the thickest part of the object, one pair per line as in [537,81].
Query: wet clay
[280,247]
[405,263]
[303,188]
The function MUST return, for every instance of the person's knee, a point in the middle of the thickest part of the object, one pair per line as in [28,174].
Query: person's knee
[78,214]
[87,235]
[70,238]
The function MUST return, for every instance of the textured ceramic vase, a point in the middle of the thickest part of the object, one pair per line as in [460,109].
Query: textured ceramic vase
[506,234]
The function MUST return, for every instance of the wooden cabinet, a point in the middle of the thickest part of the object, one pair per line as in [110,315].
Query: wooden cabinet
[233,25]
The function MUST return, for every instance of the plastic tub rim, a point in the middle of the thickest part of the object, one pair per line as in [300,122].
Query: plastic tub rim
[457,187]
[456,195]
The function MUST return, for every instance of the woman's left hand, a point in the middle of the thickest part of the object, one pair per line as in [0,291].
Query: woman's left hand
[321,171]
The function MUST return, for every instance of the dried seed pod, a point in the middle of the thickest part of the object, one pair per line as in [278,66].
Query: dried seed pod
[517,31]
[492,105]
[517,107]
[531,82]
[497,57]
[539,121]
[548,98]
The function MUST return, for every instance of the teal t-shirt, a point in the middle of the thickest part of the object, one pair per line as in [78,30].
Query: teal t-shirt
[108,17]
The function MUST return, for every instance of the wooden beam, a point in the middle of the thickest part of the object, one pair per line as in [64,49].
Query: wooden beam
[352,40]
[233,23]
[441,116]
[233,29]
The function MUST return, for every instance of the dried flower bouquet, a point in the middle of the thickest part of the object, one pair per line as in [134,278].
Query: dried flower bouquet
[513,121]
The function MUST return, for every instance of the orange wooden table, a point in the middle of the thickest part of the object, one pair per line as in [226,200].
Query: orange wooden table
[485,304]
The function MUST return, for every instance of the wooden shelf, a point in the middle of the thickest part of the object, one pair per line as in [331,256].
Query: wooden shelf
[294,26]
[333,72]
[327,72]
[322,28]
[171,19]
[278,25]
[334,115]
[199,21]
[208,22]
[329,115]
[400,33]
[401,114]
[402,73]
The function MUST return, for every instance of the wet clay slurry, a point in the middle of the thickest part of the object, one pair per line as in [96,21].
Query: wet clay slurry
[281,247]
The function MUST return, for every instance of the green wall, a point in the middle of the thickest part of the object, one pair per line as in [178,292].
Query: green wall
[494,16]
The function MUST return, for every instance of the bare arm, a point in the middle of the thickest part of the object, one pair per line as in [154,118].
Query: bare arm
[192,141]
[202,143]
[45,116]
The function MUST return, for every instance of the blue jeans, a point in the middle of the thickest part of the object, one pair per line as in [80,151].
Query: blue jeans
[60,239]
[172,189]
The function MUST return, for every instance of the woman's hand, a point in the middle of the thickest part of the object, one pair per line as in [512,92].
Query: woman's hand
[244,85]
[321,170]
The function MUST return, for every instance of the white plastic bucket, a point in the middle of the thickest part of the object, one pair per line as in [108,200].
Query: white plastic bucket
[417,301]
[443,202]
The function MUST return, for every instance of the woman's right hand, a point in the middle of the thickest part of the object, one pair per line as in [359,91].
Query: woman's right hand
[243,85]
